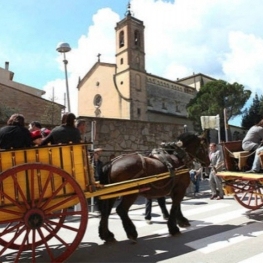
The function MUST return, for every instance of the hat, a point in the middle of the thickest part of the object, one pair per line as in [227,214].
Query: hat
[35,135]
[98,150]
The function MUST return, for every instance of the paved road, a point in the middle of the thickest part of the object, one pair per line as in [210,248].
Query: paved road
[221,231]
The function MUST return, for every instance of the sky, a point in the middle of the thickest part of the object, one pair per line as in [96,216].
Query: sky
[219,38]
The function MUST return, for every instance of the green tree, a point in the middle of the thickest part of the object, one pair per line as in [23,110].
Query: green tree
[254,113]
[213,98]
[6,112]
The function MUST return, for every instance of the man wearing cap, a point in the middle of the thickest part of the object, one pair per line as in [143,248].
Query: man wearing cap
[97,164]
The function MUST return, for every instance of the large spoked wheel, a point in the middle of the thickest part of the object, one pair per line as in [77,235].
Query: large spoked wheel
[248,193]
[38,220]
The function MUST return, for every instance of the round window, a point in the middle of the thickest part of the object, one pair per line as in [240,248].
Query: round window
[97,100]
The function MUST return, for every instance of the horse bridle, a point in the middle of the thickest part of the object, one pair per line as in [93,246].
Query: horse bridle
[202,148]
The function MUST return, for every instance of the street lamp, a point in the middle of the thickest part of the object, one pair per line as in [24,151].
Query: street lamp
[185,128]
[64,48]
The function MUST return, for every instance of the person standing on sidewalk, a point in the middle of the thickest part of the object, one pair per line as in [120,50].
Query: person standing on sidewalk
[148,209]
[216,165]
[195,175]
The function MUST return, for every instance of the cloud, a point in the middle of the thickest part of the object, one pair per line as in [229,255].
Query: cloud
[219,38]
[244,62]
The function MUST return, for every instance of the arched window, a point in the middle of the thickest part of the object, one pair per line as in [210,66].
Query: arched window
[121,39]
[137,38]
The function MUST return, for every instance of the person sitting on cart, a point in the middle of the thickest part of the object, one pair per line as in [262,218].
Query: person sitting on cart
[65,133]
[15,134]
[253,143]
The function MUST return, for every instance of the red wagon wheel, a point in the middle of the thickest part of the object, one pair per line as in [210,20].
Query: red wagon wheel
[43,227]
[248,193]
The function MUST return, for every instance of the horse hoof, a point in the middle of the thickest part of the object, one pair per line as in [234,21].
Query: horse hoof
[110,240]
[184,224]
[133,240]
[176,234]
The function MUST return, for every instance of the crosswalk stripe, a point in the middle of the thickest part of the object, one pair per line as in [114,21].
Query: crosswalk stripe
[255,259]
[203,209]
[207,221]
[226,239]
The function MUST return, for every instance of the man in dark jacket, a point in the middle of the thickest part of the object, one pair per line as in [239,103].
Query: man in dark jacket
[15,134]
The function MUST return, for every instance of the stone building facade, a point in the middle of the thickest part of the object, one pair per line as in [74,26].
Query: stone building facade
[20,98]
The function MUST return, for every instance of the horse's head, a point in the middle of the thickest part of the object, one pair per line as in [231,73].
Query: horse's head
[196,146]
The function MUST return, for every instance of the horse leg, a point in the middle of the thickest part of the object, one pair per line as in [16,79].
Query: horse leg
[181,220]
[122,210]
[172,221]
[176,215]
[105,207]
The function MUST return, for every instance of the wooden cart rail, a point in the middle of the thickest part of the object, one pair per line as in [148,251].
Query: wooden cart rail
[120,189]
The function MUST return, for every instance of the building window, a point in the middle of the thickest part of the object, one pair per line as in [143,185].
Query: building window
[97,100]
[121,39]
[137,38]
[177,106]
[121,61]
[138,111]
[138,82]
[164,106]
[149,103]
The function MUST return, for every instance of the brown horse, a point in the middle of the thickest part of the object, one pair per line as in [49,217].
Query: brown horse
[176,156]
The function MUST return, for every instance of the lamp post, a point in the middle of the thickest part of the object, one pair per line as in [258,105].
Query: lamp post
[64,48]
[185,128]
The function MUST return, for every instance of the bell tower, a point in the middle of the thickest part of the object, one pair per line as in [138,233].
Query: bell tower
[130,43]
[130,64]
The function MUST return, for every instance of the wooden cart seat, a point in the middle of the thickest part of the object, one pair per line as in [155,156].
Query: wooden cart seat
[242,159]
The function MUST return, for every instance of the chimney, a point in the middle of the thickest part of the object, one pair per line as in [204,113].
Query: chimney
[7,65]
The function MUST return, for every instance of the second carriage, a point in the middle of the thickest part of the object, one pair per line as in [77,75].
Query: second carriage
[245,187]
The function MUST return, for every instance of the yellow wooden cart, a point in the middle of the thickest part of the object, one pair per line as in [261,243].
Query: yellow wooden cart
[38,190]
[246,188]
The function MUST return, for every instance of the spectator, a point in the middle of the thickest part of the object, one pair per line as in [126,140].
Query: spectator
[195,175]
[148,209]
[252,143]
[15,134]
[216,164]
[34,126]
[80,124]
[97,164]
[36,137]
[65,133]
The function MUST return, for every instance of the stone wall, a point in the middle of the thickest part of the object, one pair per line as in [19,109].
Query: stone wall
[124,136]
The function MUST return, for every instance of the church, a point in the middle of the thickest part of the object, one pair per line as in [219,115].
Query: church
[125,90]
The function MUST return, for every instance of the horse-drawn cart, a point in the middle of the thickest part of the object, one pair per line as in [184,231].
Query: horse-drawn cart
[246,188]
[38,189]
